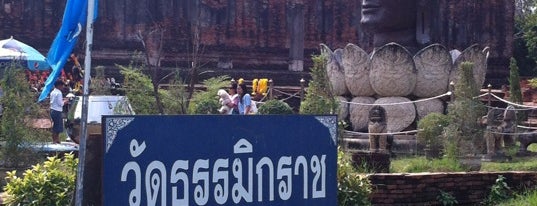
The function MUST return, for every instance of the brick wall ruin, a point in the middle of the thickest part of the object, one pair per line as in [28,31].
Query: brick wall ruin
[254,34]
[423,188]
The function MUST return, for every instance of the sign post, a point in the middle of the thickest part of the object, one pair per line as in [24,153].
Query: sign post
[84,134]
[220,160]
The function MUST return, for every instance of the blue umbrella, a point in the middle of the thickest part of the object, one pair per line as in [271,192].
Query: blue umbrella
[13,50]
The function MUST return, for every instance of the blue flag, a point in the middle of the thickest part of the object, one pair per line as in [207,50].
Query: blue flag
[74,19]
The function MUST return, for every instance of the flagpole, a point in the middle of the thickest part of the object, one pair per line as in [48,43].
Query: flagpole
[85,96]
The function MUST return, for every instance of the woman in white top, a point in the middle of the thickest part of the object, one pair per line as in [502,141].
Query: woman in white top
[234,104]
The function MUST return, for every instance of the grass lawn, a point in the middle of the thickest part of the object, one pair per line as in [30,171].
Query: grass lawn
[529,199]
[412,164]
[420,164]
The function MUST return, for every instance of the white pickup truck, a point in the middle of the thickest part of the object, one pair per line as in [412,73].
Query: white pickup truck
[97,107]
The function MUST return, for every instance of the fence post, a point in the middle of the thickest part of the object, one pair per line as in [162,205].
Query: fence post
[302,86]
[452,90]
[489,96]
[271,87]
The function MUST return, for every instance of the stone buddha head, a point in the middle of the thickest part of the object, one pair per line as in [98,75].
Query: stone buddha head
[390,21]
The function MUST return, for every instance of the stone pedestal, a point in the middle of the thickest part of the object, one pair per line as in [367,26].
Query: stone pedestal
[471,163]
[432,153]
[497,157]
[296,65]
[372,161]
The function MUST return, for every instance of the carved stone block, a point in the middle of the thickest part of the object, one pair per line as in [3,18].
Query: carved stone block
[425,107]
[334,70]
[399,116]
[355,65]
[359,120]
[433,65]
[392,71]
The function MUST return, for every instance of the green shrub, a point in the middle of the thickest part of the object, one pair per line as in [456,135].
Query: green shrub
[49,183]
[353,188]
[528,198]
[533,82]
[139,89]
[206,106]
[206,102]
[514,83]
[499,192]
[319,98]
[175,98]
[514,88]
[19,105]
[430,130]
[464,135]
[274,106]
[446,199]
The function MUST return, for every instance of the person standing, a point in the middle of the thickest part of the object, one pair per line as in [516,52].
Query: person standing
[234,104]
[56,108]
[246,105]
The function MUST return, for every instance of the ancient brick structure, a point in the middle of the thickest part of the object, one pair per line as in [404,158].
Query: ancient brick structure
[424,188]
[266,35]
[489,23]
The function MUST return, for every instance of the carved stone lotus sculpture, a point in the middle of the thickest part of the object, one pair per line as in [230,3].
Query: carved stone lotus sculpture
[393,74]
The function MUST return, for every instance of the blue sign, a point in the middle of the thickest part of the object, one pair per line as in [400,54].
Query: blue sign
[220,160]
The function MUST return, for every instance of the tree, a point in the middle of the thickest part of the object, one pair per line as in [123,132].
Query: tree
[514,83]
[514,88]
[138,88]
[525,43]
[204,102]
[195,41]
[152,42]
[18,104]
[319,98]
[524,7]
[99,85]
[464,135]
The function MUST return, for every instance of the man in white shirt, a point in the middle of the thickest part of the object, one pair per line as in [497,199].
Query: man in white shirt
[56,108]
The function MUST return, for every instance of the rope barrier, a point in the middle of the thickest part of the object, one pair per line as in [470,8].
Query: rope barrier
[525,107]
[415,131]
[282,92]
[447,94]
[512,103]
[387,133]
[398,103]
[481,95]
[514,109]
[264,97]
[524,127]
[518,133]
[296,95]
